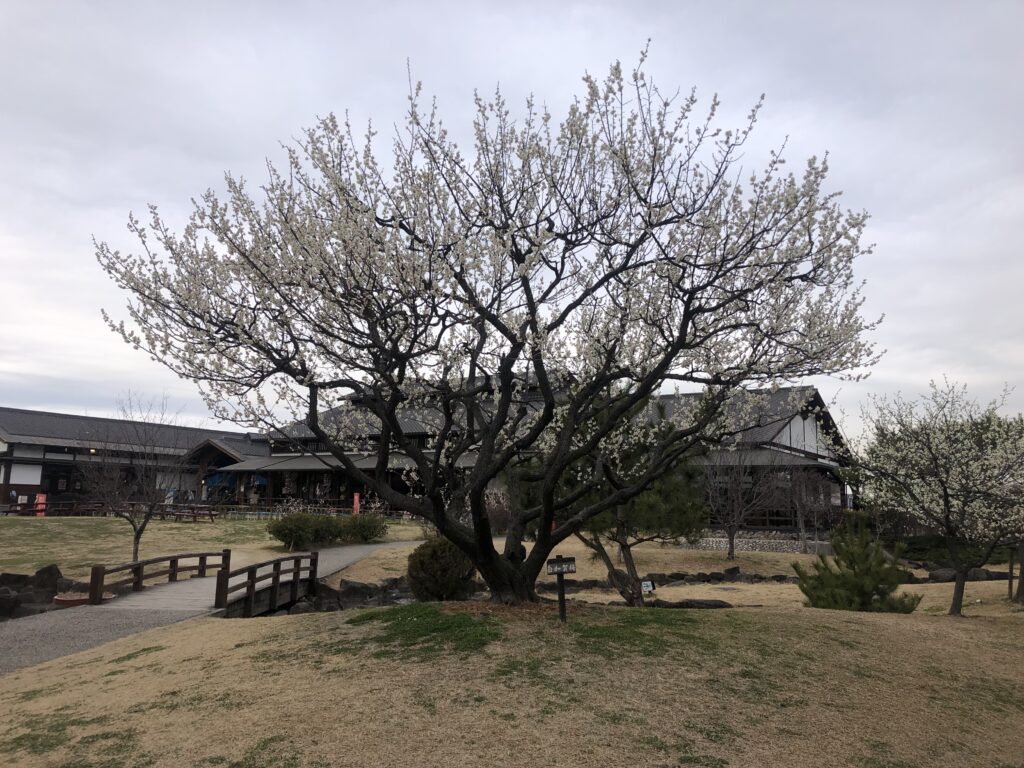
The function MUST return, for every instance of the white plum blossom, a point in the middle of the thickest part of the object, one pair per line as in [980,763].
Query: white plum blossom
[531,292]
[954,466]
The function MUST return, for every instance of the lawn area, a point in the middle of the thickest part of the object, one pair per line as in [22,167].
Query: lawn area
[475,684]
[77,543]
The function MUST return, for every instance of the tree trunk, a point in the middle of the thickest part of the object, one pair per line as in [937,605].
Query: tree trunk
[956,608]
[731,554]
[1019,596]
[509,584]
[136,538]
[635,588]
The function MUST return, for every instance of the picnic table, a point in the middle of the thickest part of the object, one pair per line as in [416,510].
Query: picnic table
[192,513]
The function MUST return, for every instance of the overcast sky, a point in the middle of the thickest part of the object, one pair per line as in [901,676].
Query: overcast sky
[107,107]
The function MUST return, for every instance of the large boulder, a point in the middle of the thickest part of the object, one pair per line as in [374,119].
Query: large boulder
[977,574]
[9,602]
[942,575]
[14,580]
[301,607]
[47,577]
[732,573]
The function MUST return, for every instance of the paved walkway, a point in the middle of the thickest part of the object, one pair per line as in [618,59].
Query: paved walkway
[35,639]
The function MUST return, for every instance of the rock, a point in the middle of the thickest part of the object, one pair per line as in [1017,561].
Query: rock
[301,607]
[659,579]
[690,604]
[701,577]
[732,572]
[942,575]
[678,575]
[9,604]
[47,578]
[66,585]
[350,591]
[14,580]
[977,574]
[779,578]
[997,575]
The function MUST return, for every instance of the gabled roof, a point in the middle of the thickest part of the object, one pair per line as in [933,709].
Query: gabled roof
[761,414]
[18,425]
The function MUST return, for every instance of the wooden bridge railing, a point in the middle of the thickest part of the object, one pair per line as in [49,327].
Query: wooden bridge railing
[205,561]
[306,563]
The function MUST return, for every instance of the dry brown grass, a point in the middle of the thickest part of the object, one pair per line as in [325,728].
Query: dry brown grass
[758,687]
[78,543]
[651,558]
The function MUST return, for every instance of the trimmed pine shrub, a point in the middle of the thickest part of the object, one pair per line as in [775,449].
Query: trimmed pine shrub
[438,570]
[863,578]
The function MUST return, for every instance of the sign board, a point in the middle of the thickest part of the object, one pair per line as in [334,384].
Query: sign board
[647,586]
[561,565]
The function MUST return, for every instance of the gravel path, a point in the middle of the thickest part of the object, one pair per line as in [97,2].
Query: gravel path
[35,639]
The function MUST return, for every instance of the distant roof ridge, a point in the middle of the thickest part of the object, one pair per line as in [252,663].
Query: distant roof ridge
[5,408]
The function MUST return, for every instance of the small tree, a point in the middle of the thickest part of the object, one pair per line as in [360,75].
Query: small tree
[672,509]
[953,466]
[810,497]
[737,489]
[863,578]
[140,463]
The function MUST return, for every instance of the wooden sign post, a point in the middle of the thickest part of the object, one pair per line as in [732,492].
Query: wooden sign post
[559,567]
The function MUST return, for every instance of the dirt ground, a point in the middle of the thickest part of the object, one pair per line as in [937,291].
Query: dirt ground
[474,684]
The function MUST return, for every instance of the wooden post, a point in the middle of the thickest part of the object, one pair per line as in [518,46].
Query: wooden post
[173,575]
[96,577]
[220,599]
[561,596]
[275,585]
[202,566]
[225,559]
[1009,578]
[250,593]
[137,577]
[314,561]
[296,575]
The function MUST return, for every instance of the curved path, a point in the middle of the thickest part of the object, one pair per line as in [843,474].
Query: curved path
[35,639]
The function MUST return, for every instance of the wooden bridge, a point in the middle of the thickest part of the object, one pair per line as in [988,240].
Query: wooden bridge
[243,592]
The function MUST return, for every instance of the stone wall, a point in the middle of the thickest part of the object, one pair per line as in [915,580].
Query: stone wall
[779,543]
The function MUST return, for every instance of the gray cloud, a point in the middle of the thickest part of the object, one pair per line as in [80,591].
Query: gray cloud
[109,107]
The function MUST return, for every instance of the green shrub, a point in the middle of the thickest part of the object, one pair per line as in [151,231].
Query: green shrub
[864,577]
[438,570]
[301,530]
[362,528]
[294,530]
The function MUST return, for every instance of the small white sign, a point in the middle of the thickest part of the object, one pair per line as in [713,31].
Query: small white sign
[647,586]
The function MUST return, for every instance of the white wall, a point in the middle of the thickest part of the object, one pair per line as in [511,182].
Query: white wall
[26,474]
[806,435]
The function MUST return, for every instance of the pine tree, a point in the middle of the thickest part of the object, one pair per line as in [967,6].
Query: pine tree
[864,577]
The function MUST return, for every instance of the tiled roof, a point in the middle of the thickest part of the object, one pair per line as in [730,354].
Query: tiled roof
[18,425]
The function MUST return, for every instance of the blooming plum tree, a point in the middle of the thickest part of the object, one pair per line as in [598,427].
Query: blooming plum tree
[524,296]
[950,463]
